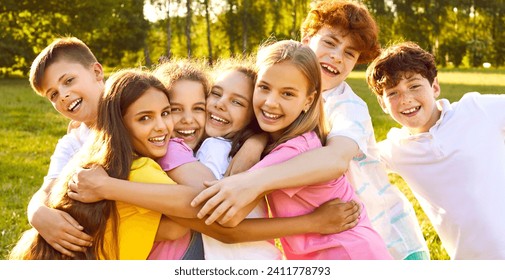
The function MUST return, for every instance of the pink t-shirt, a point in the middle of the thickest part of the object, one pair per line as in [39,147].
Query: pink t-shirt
[360,242]
[178,153]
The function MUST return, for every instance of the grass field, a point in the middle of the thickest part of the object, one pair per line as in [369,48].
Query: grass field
[30,129]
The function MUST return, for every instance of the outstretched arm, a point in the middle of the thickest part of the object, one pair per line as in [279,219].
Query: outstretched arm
[224,198]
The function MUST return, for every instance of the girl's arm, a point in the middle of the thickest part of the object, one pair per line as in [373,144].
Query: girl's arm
[94,184]
[170,230]
[333,216]
[227,196]
[173,201]
[248,155]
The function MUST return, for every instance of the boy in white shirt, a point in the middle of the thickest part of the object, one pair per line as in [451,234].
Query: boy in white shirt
[452,155]
[66,73]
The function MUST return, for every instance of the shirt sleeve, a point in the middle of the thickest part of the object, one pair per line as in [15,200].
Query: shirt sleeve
[352,120]
[178,153]
[213,153]
[66,148]
[492,105]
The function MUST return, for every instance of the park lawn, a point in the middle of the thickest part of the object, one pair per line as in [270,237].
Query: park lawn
[30,129]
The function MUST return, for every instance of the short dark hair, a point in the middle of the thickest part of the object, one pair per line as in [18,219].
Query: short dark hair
[68,48]
[398,61]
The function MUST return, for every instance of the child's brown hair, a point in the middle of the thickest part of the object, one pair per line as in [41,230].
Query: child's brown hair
[397,62]
[68,48]
[177,70]
[354,18]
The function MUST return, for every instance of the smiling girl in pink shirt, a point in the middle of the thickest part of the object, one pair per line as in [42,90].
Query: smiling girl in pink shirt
[290,110]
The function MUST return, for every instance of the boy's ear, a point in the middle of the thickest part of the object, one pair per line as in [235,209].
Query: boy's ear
[381,103]
[436,88]
[97,68]
[306,40]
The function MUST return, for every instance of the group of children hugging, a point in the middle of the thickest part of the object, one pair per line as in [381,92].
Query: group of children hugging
[276,160]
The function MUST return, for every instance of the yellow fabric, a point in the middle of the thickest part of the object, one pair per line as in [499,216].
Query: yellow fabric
[137,225]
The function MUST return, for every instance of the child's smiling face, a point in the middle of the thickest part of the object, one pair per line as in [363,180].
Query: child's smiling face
[229,105]
[74,90]
[412,102]
[150,124]
[187,99]
[336,54]
[280,98]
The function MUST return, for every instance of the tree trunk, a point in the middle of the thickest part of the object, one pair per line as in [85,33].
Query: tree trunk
[188,27]
[209,42]
[169,33]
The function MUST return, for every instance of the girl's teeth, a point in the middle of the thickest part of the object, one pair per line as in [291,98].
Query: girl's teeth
[186,132]
[271,116]
[158,139]
[219,119]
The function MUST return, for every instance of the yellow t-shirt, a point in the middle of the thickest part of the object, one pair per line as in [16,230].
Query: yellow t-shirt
[137,225]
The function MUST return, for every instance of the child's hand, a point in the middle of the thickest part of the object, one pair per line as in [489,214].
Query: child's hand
[61,231]
[86,183]
[226,196]
[335,216]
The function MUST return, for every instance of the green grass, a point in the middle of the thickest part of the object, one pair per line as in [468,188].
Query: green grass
[30,129]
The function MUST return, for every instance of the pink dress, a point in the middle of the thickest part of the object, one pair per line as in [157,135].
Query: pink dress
[359,243]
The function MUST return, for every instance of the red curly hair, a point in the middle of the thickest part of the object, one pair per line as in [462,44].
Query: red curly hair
[353,18]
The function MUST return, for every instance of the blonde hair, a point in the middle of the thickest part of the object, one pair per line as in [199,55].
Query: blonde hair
[306,62]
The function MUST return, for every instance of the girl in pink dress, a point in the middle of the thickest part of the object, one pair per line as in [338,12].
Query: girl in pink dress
[288,106]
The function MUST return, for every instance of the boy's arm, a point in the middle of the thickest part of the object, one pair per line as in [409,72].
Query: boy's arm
[57,227]
[331,217]
[230,194]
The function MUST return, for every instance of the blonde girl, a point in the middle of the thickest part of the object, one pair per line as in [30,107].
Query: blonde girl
[290,109]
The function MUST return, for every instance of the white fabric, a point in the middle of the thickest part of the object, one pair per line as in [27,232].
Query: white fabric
[390,212]
[457,172]
[214,154]
[66,148]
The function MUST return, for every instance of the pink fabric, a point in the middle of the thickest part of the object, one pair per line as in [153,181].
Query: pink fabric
[360,242]
[178,153]
[170,249]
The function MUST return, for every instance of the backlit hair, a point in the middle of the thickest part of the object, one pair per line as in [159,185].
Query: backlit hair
[182,70]
[353,18]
